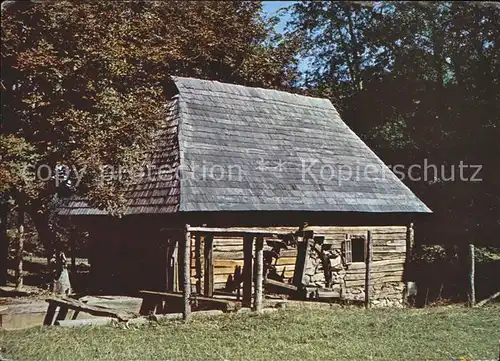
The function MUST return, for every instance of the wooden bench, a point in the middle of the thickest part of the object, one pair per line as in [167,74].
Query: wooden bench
[171,302]
[65,304]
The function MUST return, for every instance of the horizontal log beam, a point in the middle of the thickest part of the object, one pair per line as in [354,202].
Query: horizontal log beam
[240,231]
[224,304]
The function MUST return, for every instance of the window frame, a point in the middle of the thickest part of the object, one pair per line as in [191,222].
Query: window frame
[347,247]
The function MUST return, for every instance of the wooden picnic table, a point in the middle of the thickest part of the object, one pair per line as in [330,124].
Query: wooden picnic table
[170,302]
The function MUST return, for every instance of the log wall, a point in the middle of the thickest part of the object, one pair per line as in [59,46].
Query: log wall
[228,255]
[125,263]
[387,267]
[388,260]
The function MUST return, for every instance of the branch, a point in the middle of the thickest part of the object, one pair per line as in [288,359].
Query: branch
[486,300]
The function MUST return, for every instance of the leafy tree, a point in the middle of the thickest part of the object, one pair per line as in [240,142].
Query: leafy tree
[417,81]
[83,85]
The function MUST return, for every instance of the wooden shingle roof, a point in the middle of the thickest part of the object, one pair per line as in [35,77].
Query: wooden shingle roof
[250,149]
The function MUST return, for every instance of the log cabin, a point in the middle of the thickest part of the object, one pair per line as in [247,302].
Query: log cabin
[251,184]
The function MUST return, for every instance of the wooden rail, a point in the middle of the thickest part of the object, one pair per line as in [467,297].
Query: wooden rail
[153,302]
[240,231]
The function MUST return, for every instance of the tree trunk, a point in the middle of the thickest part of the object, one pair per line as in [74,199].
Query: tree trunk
[472,287]
[20,248]
[45,233]
[62,284]
[186,270]
[4,245]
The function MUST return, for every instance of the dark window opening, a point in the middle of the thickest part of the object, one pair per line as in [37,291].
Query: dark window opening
[358,249]
[319,240]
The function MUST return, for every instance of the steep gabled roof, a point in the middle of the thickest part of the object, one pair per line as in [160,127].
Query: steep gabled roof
[251,149]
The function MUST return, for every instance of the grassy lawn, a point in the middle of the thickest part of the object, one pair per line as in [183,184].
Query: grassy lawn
[338,334]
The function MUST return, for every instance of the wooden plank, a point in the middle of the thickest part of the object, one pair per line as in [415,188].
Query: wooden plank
[327,294]
[240,231]
[225,305]
[229,255]
[85,322]
[208,266]
[377,264]
[286,261]
[302,255]
[233,241]
[223,263]
[259,262]
[148,305]
[309,243]
[374,275]
[236,248]
[351,229]
[94,310]
[198,254]
[361,268]
[281,287]
[247,270]
[369,247]
[375,281]
[399,250]
[291,252]
[225,270]
[186,265]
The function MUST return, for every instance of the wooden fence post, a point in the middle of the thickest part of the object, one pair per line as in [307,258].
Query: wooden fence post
[368,264]
[259,261]
[247,270]
[472,294]
[186,265]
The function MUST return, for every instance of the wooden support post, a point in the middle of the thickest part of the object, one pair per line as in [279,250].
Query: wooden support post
[247,270]
[198,255]
[4,243]
[73,251]
[472,294]
[368,263]
[75,314]
[63,312]
[186,268]
[175,267]
[259,270]
[208,287]
[303,258]
[49,316]
[165,249]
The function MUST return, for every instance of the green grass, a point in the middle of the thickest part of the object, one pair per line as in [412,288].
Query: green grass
[441,333]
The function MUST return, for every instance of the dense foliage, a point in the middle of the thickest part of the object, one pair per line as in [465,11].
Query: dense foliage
[418,80]
[83,84]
